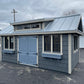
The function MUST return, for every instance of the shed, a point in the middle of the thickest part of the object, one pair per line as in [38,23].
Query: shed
[49,43]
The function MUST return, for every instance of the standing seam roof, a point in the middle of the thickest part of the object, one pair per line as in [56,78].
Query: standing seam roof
[64,23]
[67,23]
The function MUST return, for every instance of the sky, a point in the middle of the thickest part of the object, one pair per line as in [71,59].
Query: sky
[33,9]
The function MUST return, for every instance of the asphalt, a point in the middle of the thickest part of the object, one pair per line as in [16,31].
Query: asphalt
[19,74]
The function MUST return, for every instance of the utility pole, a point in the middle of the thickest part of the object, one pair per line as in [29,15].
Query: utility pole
[14,12]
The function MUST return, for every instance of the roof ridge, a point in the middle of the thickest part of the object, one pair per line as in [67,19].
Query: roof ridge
[68,16]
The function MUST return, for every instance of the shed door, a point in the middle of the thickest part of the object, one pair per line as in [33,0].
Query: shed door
[28,50]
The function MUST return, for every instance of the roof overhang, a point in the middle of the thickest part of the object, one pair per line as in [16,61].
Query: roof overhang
[43,33]
[32,21]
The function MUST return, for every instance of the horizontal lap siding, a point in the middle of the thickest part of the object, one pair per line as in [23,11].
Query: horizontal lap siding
[54,64]
[10,57]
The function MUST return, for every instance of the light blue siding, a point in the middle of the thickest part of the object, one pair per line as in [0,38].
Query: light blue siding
[74,55]
[28,50]
[8,51]
[8,55]
[54,64]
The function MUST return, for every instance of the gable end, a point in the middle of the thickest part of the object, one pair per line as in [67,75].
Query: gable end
[80,27]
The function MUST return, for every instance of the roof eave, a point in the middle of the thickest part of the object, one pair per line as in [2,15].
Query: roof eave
[43,33]
[31,21]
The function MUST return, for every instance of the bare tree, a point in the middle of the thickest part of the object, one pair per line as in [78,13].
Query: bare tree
[70,12]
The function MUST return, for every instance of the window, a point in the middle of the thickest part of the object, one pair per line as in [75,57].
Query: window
[27,27]
[52,43]
[6,42]
[34,25]
[75,42]
[47,43]
[9,42]
[56,43]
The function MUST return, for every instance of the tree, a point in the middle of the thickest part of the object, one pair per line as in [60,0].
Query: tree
[70,12]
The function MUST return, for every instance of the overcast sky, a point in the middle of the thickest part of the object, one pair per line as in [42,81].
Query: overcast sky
[31,9]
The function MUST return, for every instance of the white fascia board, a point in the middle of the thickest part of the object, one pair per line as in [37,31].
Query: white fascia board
[31,21]
[43,33]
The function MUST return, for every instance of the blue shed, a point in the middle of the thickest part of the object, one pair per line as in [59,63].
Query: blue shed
[49,43]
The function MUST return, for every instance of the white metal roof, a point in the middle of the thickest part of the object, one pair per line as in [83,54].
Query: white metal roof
[67,23]
[8,30]
[64,23]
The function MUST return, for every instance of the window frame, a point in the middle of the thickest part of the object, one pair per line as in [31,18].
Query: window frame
[50,44]
[33,24]
[30,27]
[75,50]
[9,43]
[5,42]
[51,52]
[53,42]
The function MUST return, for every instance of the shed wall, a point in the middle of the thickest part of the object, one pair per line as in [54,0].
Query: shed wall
[49,63]
[10,57]
[54,64]
[75,55]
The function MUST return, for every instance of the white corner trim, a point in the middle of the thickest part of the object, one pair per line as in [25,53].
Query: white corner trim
[69,53]
[42,43]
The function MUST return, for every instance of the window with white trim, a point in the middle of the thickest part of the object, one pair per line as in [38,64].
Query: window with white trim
[9,42]
[52,43]
[75,42]
[32,26]
[6,42]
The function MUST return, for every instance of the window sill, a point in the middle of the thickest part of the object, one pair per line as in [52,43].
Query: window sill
[52,55]
[8,51]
